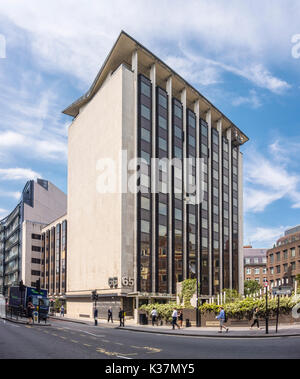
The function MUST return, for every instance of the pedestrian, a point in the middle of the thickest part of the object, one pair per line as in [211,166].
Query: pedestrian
[180,318]
[122,317]
[30,308]
[222,318]
[96,316]
[154,316]
[174,319]
[62,311]
[255,318]
[110,315]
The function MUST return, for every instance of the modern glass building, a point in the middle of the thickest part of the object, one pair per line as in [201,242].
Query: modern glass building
[155,236]
[20,233]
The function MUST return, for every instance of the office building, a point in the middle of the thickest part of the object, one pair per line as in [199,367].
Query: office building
[284,259]
[255,264]
[20,233]
[134,246]
[54,247]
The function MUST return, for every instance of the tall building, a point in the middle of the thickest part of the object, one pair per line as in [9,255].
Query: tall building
[284,259]
[255,264]
[54,256]
[134,245]
[20,233]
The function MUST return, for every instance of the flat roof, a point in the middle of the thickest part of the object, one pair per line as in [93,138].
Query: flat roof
[122,53]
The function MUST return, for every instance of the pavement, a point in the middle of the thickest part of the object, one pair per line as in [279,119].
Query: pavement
[284,330]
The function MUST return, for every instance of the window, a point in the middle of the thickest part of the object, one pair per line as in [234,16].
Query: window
[162,101]
[271,258]
[264,270]
[177,111]
[192,141]
[36,261]
[36,248]
[177,152]
[285,254]
[162,122]
[145,203]
[277,257]
[162,209]
[145,135]
[256,260]
[247,261]
[145,89]
[178,132]
[36,236]
[35,273]
[248,271]
[293,252]
[257,271]
[293,265]
[272,270]
[145,112]
[178,214]
[145,226]
[278,269]
[162,144]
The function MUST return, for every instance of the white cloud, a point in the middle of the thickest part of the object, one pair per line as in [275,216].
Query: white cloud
[264,237]
[18,174]
[75,38]
[14,195]
[268,180]
[252,99]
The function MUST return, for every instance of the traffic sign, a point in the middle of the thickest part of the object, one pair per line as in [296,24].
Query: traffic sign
[283,290]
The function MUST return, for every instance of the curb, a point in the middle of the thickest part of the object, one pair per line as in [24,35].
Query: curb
[24,323]
[68,320]
[210,335]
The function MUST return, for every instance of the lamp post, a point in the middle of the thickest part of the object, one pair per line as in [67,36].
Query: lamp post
[267,310]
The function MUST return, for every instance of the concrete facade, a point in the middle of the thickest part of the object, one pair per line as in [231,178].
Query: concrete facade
[113,242]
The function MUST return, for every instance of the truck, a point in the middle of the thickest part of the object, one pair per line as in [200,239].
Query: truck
[19,298]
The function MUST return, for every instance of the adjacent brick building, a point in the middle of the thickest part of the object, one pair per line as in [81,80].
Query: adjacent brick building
[255,264]
[283,261]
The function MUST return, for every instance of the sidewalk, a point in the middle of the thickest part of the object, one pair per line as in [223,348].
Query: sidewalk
[234,332]
[24,321]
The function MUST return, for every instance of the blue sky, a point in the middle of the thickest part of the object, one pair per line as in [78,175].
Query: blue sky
[242,55]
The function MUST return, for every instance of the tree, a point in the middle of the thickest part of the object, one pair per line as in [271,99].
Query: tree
[251,287]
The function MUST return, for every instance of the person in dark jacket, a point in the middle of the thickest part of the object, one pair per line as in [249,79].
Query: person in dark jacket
[255,318]
[30,309]
[96,316]
[110,315]
[122,317]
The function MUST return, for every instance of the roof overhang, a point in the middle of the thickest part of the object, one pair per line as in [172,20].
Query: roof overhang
[122,53]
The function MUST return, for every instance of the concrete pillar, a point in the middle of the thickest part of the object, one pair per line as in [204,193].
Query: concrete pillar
[185,269]
[241,223]
[198,185]
[229,137]
[169,90]
[221,247]
[135,71]
[209,122]
[153,173]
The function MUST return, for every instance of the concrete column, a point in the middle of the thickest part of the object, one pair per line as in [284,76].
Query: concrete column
[219,127]
[241,223]
[229,137]
[198,182]
[169,90]
[183,101]
[135,71]
[209,122]
[153,173]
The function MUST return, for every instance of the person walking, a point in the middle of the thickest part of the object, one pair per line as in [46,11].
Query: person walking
[96,316]
[110,315]
[174,319]
[62,311]
[222,318]
[255,318]
[154,316]
[122,317]
[180,318]
[30,308]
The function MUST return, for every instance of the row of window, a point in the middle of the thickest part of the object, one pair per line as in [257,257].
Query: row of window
[256,271]
[285,255]
[285,267]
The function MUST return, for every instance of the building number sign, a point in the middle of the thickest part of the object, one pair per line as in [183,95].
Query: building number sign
[126,282]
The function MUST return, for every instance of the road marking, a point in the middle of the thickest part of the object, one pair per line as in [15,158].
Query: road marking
[152,350]
[112,353]
[118,343]
[87,345]
[120,356]
[74,341]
